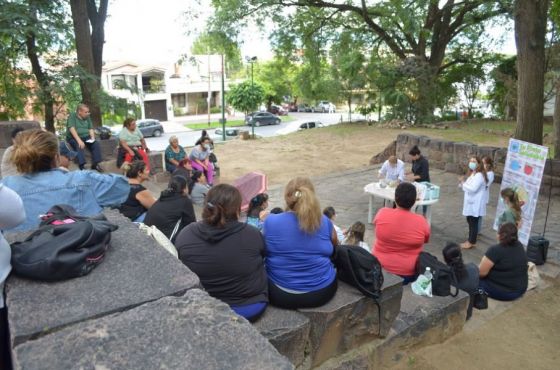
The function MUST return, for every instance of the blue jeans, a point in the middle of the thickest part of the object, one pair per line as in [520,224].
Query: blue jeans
[250,311]
[94,148]
[408,279]
[170,167]
[500,295]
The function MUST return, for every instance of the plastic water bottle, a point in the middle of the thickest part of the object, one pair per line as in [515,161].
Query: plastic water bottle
[428,275]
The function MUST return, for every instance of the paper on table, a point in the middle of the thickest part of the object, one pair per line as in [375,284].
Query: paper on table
[90,141]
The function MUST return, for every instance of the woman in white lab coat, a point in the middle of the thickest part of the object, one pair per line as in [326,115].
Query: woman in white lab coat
[474,203]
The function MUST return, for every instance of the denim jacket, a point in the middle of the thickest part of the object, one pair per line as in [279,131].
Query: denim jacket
[86,191]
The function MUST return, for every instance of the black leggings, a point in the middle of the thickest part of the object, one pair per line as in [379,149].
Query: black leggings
[473,228]
[283,299]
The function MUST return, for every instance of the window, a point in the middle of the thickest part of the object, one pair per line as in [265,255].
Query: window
[179,100]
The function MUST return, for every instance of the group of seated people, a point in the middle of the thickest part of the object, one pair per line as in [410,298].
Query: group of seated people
[279,258]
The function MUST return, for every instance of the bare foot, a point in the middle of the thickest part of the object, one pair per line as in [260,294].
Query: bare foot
[467,245]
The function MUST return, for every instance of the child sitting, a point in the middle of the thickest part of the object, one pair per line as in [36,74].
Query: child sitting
[355,236]
[257,210]
[331,215]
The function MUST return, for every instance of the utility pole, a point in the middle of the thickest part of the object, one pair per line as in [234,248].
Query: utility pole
[223,102]
[209,89]
[252,61]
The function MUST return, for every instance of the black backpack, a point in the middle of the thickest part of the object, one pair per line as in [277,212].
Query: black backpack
[443,275]
[359,268]
[64,246]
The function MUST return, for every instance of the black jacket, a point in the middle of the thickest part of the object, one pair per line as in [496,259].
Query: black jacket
[228,260]
[167,210]
[421,168]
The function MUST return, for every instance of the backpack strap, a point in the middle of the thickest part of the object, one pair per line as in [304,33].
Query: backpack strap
[454,283]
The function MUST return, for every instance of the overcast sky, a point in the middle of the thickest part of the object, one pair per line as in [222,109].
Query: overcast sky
[149,31]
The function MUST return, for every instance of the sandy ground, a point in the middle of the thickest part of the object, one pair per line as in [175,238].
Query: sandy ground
[307,153]
[519,338]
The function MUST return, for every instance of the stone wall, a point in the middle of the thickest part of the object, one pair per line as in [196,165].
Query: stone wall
[6,128]
[453,157]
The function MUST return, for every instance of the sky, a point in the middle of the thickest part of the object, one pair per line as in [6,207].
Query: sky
[154,31]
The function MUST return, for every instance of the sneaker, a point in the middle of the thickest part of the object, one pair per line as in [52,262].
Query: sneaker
[97,168]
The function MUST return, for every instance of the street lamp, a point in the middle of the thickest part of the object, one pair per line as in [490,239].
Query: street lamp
[252,61]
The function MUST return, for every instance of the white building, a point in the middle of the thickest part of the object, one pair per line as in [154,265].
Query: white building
[187,87]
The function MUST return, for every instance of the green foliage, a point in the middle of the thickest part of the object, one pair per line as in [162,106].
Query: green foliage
[276,78]
[503,94]
[116,110]
[216,42]
[246,96]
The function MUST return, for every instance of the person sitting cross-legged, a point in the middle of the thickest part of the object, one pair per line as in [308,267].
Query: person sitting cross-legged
[400,234]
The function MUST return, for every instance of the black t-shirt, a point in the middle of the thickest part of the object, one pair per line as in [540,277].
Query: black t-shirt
[509,272]
[168,210]
[420,167]
[132,208]
[228,260]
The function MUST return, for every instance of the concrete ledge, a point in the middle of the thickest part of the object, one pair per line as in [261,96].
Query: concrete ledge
[422,321]
[6,128]
[135,270]
[287,331]
[190,332]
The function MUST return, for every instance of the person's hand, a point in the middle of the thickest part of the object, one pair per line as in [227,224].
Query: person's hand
[81,144]
[410,177]
[131,152]
[461,179]
[147,150]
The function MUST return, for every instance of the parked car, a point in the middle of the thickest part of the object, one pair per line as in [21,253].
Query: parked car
[304,108]
[262,118]
[103,132]
[231,133]
[310,124]
[278,110]
[289,107]
[150,127]
[324,107]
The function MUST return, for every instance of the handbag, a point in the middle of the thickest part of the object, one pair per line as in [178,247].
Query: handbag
[65,246]
[480,299]
[533,277]
[443,275]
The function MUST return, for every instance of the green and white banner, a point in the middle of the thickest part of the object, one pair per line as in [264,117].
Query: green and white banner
[523,173]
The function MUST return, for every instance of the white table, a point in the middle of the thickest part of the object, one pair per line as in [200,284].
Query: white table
[374,190]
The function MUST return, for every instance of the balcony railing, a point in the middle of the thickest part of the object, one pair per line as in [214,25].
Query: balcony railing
[153,88]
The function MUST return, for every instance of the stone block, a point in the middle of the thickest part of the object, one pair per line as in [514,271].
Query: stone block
[350,319]
[500,156]
[424,143]
[157,161]
[436,145]
[108,150]
[552,167]
[405,138]
[452,167]
[447,147]
[486,151]
[287,331]
[381,157]
[440,165]
[135,270]
[436,155]
[193,331]
[6,128]
[462,152]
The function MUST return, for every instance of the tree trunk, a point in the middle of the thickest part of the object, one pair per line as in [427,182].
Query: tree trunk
[556,122]
[45,95]
[90,53]
[530,29]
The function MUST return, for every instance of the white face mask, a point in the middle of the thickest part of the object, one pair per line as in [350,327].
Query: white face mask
[206,146]
[472,166]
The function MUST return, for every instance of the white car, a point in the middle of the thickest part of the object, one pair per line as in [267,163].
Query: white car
[324,107]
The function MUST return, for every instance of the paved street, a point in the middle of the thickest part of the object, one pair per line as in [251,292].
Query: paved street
[188,137]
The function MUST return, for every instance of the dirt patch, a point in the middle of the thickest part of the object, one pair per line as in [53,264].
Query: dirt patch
[308,153]
[524,337]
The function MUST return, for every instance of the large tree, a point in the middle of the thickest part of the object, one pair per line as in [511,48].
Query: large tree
[89,18]
[418,32]
[219,43]
[530,29]
[36,30]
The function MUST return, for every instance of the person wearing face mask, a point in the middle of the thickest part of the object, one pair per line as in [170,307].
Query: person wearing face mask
[474,201]
[200,159]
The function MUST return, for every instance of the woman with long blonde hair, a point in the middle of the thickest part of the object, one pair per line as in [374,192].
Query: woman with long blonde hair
[299,244]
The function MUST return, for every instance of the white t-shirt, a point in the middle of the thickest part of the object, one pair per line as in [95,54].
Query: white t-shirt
[392,173]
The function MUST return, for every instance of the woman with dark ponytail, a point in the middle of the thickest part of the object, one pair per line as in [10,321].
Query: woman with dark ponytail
[227,255]
[467,275]
[173,210]
[503,269]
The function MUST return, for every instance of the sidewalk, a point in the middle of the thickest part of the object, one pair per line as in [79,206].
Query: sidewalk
[178,123]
